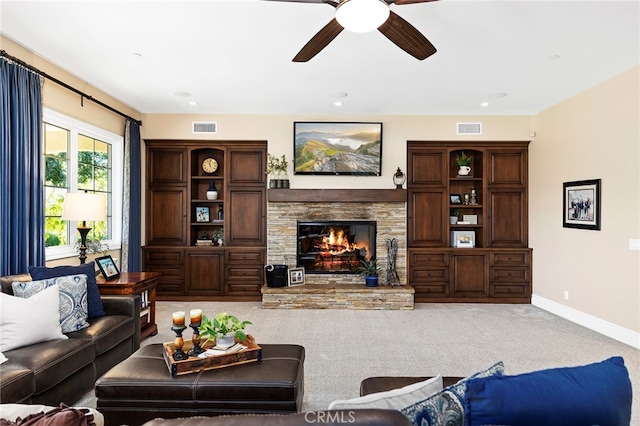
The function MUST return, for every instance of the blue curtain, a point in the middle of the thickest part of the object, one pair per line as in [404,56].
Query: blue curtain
[132,204]
[21,170]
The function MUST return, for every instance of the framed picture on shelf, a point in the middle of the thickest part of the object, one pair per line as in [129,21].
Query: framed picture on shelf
[296,276]
[470,218]
[463,239]
[337,148]
[455,199]
[202,214]
[581,204]
[107,267]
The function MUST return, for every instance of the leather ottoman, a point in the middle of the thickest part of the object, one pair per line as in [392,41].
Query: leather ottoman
[141,388]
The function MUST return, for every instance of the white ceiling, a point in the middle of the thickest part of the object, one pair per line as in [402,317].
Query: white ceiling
[234,57]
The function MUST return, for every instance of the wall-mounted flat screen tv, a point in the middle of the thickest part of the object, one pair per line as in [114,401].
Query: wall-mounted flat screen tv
[327,148]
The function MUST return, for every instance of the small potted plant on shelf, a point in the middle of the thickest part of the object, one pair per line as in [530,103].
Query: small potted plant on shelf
[273,165]
[370,270]
[464,164]
[453,216]
[218,236]
[224,328]
[282,170]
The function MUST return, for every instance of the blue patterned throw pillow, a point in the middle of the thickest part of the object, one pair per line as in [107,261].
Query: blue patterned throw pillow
[96,309]
[446,408]
[73,298]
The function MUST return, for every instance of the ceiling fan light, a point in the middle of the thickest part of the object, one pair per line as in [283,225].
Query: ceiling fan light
[361,16]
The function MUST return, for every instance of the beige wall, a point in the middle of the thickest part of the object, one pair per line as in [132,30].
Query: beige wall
[594,135]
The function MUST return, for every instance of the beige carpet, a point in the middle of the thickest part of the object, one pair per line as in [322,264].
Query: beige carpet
[343,347]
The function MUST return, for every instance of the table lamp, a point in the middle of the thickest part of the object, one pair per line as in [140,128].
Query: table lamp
[83,207]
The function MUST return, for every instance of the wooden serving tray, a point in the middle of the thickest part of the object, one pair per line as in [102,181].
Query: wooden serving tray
[193,364]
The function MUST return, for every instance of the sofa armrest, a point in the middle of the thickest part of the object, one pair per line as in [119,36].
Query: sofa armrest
[129,306]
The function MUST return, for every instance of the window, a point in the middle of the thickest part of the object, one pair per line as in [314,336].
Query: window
[80,157]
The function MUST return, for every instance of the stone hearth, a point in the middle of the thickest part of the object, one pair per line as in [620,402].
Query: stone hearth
[344,296]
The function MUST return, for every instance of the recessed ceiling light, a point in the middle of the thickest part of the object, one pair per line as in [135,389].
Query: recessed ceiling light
[554,57]
[182,94]
[193,103]
[139,55]
[339,94]
[338,103]
[484,104]
[497,95]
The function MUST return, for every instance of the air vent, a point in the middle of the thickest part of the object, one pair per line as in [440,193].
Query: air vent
[469,128]
[204,127]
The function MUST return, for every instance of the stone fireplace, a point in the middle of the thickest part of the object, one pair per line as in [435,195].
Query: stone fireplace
[283,216]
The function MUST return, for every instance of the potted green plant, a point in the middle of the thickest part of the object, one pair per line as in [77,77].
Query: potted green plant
[464,164]
[218,236]
[453,216]
[369,269]
[282,170]
[224,328]
[273,166]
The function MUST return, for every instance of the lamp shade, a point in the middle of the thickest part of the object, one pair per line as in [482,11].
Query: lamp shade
[82,206]
[361,16]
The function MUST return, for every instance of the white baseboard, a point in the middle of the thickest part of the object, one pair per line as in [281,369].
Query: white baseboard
[621,334]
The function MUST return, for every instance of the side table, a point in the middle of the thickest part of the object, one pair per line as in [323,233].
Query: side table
[138,283]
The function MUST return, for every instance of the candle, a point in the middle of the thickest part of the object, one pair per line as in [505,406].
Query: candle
[196,317]
[178,319]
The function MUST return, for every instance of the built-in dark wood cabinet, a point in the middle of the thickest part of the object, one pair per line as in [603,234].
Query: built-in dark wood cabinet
[498,266]
[181,219]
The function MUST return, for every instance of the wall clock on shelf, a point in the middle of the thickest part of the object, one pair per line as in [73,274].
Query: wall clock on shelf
[209,165]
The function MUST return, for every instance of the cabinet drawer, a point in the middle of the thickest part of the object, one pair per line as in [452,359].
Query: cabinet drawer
[432,290]
[163,256]
[509,290]
[428,259]
[243,289]
[429,275]
[509,274]
[245,256]
[510,258]
[244,273]
[174,288]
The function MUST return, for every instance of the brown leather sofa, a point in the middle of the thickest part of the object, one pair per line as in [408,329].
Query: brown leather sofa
[64,370]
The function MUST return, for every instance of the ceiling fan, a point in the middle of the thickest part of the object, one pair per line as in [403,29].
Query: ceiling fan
[400,32]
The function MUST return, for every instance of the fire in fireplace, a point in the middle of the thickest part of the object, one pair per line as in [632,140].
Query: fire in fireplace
[335,247]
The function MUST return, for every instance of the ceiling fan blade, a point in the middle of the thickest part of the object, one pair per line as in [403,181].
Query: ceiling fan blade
[410,1]
[319,41]
[407,37]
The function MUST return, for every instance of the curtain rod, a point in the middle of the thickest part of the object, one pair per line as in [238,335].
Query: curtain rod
[66,86]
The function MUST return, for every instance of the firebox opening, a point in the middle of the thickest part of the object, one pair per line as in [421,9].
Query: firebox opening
[335,247]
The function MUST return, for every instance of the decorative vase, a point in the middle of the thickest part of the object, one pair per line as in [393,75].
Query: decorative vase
[272,183]
[212,192]
[464,171]
[371,281]
[225,341]
[453,220]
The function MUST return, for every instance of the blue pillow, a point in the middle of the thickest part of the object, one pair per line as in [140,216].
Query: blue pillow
[446,407]
[594,394]
[89,269]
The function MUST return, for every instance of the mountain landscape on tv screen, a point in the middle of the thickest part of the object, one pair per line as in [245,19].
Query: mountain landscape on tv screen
[335,153]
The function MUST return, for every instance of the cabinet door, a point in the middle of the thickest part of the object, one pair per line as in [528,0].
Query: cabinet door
[508,218]
[427,167]
[469,274]
[169,262]
[247,167]
[166,216]
[247,220]
[507,167]
[167,166]
[204,272]
[427,217]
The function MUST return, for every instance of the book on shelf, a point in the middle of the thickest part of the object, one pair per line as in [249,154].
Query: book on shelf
[204,243]
[238,347]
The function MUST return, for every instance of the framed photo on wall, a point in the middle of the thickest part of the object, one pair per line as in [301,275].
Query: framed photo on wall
[107,267]
[581,204]
[296,276]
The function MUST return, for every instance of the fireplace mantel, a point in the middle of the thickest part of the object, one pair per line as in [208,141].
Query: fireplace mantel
[336,195]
